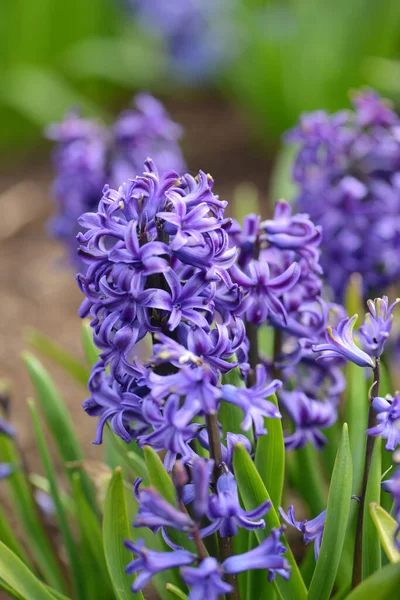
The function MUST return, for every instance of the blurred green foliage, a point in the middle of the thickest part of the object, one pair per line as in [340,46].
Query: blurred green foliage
[294,55]
[56,54]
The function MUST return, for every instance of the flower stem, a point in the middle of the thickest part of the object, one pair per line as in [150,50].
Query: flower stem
[357,566]
[225,543]
[254,357]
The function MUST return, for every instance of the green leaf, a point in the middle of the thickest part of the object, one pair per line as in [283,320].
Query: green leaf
[115,531]
[354,300]
[26,511]
[19,578]
[175,593]
[231,416]
[253,493]
[59,356]
[65,529]
[159,477]
[308,478]
[386,527]
[91,534]
[7,536]
[356,415]
[89,347]
[382,585]
[371,546]
[57,416]
[270,457]
[337,514]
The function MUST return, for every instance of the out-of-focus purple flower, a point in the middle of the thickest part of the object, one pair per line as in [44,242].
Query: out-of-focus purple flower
[45,503]
[149,562]
[312,530]
[388,418]
[88,155]
[197,34]
[392,486]
[6,469]
[205,581]
[309,416]
[377,325]
[6,428]
[340,342]
[252,400]
[225,512]
[268,555]
[346,170]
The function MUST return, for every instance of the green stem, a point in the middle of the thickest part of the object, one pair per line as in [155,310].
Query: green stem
[357,567]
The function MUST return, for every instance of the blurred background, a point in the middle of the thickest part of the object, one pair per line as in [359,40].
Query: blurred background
[235,74]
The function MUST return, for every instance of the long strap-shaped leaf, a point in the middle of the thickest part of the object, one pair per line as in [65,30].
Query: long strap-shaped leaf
[253,493]
[65,529]
[115,531]
[57,417]
[371,545]
[382,585]
[19,578]
[26,511]
[270,458]
[337,515]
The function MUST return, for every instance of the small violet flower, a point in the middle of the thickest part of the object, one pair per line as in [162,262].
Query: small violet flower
[226,513]
[268,556]
[206,580]
[377,325]
[309,416]
[312,530]
[149,562]
[388,418]
[340,343]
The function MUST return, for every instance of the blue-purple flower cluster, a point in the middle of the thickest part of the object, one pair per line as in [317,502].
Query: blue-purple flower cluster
[347,172]
[165,265]
[88,155]
[197,34]
[222,511]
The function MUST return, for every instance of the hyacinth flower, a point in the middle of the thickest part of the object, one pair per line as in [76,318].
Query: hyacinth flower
[312,530]
[308,416]
[6,469]
[392,486]
[197,34]
[346,173]
[226,513]
[340,343]
[377,325]
[388,417]
[89,155]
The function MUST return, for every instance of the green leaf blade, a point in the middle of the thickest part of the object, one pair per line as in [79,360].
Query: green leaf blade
[253,493]
[65,529]
[337,514]
[270,457]
[371,553]
[115,532]
[19,578]
[382,585]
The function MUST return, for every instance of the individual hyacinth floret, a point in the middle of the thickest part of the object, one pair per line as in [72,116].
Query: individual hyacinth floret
[346,170]
[312,530]
[197,34]
[388,417]
[88,155]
